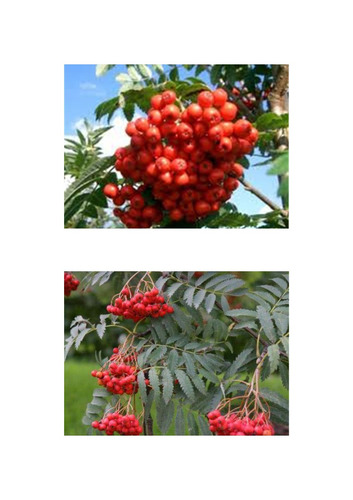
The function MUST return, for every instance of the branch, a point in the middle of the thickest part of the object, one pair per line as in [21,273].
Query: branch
[263,198]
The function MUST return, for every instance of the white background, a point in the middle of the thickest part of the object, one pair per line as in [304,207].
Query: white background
[37,39]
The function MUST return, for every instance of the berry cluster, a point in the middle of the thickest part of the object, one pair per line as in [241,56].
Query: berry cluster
[126,425]
[70,284]
[185,158]
[120,377]
[234,425]
[140,305]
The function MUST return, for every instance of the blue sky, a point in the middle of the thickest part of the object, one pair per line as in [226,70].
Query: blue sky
[84,91]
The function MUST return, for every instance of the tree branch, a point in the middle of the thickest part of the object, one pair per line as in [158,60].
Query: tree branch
[263,198]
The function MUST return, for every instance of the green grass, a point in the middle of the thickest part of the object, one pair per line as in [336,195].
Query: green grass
[79,386]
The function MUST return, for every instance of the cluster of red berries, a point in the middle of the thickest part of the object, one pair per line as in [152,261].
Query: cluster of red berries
[234,425]
[187,158]
[140,305]
[120,377]
[126,425]
[70,284]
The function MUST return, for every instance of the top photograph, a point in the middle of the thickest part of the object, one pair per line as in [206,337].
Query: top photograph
[166,146]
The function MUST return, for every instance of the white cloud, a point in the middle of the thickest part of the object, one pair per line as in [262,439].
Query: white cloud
[88,86]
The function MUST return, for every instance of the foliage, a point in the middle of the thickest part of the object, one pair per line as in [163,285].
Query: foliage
[207,345]
[84,200]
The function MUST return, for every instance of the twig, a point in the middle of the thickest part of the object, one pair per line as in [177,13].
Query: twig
[263,198]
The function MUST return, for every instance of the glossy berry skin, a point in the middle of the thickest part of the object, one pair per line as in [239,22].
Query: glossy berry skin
[205,99]
[220,97]
[111,190]
[70,284]
[234,424]
[242,128]
[168,97]
[228,111]
[182,157]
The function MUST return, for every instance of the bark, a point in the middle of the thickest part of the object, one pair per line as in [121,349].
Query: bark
[278,99]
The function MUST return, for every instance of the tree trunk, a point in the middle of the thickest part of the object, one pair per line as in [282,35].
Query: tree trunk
[278,99]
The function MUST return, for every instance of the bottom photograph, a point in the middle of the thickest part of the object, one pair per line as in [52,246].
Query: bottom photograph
[176,353]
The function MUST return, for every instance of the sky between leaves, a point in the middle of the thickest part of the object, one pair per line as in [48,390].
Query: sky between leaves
[84,91]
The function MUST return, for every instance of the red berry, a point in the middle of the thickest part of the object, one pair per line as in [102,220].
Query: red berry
[111,190]
[205,99]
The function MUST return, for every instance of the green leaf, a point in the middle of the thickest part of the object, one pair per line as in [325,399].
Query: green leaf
[206,362]
[107,108]
[259,300]
[243,358]
[214,281]
[192,425]
[235,313]
[210,302]
[168,386]
[101,69]
[204,427]
[101,329]
[180,422]
[154,380]
[200,295]
[174,74]
[280,165]
[283,189]
[205,277]
[101,392]
[142,386]
[284,373]
[271,121]
[162,280]
[185,384]
[97,198]
[189,295]
[123,77]
[93,409]
[165,415]
[133,73]
[285,342]
[148,405]
[281,321]
[199,384]
[145,70]
[224,304]
[231,73]
[280,282]
[273,354]
[157,354]
[266,296]
[275,398]
[173,360]
[230,285]
[87,420]
[209,375]
[182,320]
[266,322]
[216,72]
[173,288]
[159,329]
[129,110]
[189,363]
[273,290]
